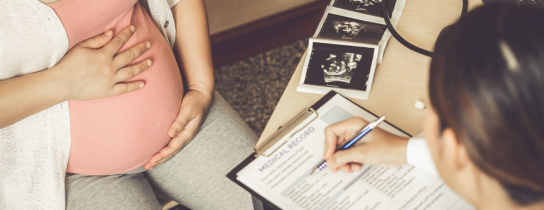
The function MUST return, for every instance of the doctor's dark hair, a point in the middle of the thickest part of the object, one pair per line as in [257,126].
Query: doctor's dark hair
[487,85]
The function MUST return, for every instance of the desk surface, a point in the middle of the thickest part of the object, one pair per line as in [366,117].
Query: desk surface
[401,79]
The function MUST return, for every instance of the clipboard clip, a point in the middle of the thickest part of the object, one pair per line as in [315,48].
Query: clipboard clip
[284,130]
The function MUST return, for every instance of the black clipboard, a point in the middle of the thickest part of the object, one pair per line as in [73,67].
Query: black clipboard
[232,174]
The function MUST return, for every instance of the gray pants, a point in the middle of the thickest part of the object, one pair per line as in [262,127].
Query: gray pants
[195,177]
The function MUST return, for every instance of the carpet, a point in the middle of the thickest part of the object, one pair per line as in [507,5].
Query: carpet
[253,86]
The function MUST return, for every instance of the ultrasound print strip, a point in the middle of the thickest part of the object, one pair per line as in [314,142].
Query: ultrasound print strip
[349,29]
[339,66]
[370,7]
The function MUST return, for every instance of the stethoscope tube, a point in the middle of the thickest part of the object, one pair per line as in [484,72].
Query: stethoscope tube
[387,18]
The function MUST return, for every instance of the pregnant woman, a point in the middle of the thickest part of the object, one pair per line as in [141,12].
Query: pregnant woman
[94,113]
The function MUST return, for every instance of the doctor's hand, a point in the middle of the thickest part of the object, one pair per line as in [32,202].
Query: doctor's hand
[195,106]
[377,148]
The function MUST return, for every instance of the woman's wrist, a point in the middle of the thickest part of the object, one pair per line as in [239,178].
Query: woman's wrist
[60,83]
[401,144]
[207,90]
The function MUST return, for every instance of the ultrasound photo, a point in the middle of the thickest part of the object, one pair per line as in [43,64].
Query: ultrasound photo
[349,29]
[371,7]
[339,66]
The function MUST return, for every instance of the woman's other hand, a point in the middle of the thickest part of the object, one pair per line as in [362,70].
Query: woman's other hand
[193,53]
[92,70]
[377,147]
[194,108]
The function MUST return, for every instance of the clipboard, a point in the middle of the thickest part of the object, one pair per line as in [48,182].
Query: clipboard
[282,132]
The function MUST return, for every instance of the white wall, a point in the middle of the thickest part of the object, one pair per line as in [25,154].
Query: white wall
[227,14]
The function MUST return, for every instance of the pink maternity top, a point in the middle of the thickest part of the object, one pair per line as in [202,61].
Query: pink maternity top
[119,134]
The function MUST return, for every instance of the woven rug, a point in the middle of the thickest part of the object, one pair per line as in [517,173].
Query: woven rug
[253,86]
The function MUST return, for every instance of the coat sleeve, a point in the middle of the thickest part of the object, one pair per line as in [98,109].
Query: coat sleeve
[419,155]
[171,3]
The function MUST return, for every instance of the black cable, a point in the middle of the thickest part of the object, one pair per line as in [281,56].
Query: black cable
[465,8]
[387,18]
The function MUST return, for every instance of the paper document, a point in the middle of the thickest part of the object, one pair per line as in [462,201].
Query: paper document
[283,177]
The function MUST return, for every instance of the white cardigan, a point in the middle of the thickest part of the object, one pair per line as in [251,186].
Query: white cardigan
[34,151]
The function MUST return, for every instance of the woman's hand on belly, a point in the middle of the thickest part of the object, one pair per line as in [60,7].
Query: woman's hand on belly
[92,70]
[195,105]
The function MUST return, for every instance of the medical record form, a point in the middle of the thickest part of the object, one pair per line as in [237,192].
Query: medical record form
[281,176]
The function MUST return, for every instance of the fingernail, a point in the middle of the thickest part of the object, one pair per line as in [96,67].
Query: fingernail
[148,45]
[149,63]
[141,85]
[108,33]
[132,28]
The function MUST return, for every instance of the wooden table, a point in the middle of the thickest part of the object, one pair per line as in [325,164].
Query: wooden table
[401,79]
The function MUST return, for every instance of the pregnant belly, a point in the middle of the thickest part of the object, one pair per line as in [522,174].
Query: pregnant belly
[119,134]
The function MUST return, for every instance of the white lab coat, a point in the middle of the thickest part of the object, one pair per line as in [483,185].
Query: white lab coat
[419,155]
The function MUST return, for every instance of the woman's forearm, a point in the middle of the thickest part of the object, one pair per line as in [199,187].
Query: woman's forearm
[90,70]
[192,47]
[26,95]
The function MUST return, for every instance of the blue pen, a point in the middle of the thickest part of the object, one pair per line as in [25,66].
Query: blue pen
[358,137]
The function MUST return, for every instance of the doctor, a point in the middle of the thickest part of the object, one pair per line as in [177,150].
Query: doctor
[484,127]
